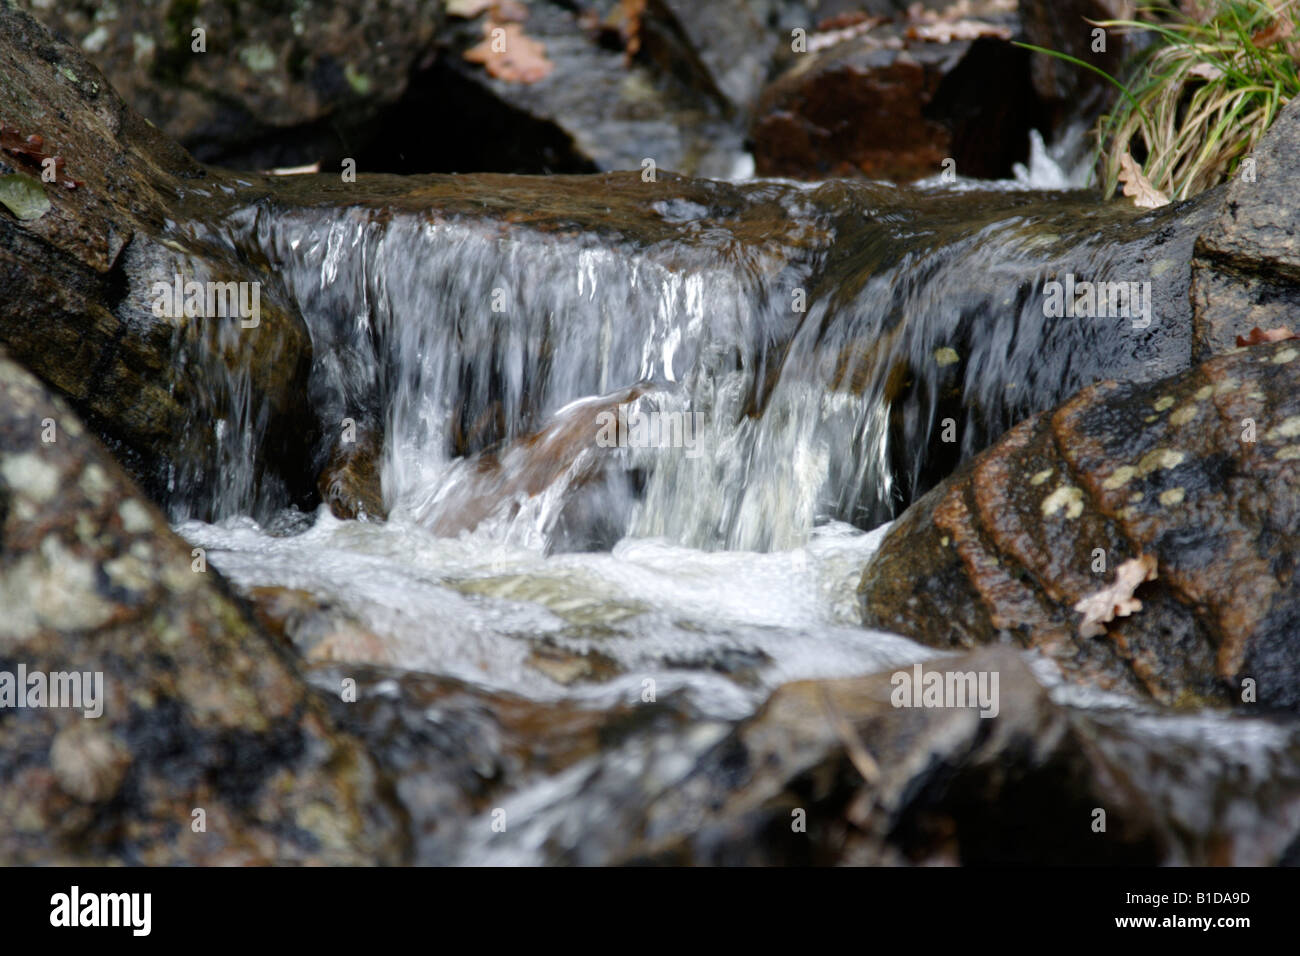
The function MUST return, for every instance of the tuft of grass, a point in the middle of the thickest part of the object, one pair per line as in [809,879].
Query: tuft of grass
[1200,93]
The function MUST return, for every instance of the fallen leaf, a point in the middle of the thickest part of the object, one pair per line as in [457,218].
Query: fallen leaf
[513,57]
[1259,336]
[1145,195]
[24,196]
[842,20]
[1116,599]
[1280,29]
[628,15]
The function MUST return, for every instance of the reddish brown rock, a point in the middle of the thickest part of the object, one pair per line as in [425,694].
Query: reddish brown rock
[1200,471]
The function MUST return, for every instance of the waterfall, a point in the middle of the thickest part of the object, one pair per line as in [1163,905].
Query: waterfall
[871,340]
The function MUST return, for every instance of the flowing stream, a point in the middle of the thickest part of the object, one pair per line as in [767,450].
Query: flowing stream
[805,364]
[721,550]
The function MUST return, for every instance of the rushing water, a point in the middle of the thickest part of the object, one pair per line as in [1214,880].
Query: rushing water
[522,553]
[801,346]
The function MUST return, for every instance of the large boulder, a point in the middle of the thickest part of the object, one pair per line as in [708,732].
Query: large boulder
[78,271]
[1197,474]
[168,728]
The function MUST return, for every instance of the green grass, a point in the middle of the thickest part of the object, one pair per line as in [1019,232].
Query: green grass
[1198,97]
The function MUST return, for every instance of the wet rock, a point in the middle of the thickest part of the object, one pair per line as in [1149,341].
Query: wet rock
[1247,268]
[456,751]
[170,700]
[273,85]
[350,481]
[885,103]
[834,772]
[1198,471]
[82,311]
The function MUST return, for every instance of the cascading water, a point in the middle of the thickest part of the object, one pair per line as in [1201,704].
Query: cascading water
[830,372]
[817,341]
[834,350]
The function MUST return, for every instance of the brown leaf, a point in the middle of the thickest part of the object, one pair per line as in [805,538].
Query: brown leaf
[512,56]
[1116,599]
[1281,28]
[1259,336]
[1145,195]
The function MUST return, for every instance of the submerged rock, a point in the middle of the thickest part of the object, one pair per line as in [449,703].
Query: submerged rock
[185,736]
[1200,472]
[350,481]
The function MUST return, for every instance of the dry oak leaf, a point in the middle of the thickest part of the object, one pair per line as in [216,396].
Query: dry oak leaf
[1259,336]
[1116,599]
[510,54]
[1145,195]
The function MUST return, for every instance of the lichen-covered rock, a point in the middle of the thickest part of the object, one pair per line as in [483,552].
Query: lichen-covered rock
[190,739]
[81,308]
[1200,471]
